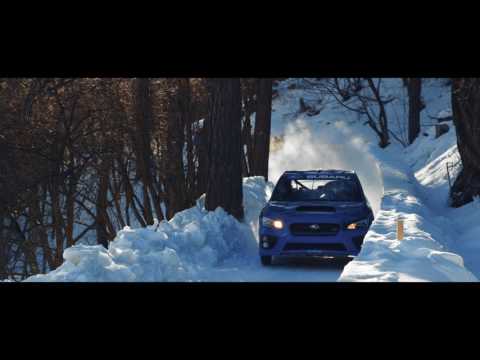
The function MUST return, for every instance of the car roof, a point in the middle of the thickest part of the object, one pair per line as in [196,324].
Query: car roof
[321,173]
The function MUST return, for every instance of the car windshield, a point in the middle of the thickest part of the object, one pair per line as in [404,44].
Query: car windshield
[316,190]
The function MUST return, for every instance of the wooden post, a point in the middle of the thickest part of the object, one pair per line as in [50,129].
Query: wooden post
[399,228]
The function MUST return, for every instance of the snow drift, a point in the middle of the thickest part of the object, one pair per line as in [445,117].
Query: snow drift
[181,249]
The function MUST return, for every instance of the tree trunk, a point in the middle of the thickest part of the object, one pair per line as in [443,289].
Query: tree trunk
[70,203]
[202,170]
[224,147]
[143,131]
[57,222]
[177,117]
[102,205]
[190,181]
[249,107]
[382,117]
[263,118]
[466,117]
[247,161]
[39,230]
[414,86]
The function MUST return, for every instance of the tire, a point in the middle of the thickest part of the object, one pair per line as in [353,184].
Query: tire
[266,260]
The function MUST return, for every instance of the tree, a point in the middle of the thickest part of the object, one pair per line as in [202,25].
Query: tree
[382,114]
[176,119]
[363,96]
[263,118]
[101,204]
[466,117]
[415,106]
[224,147]
[143,140]
[199,111]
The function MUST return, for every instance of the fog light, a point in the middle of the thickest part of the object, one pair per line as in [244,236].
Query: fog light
[265,245]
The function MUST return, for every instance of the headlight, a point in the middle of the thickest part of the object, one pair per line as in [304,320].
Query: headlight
[272,223]
[360,224]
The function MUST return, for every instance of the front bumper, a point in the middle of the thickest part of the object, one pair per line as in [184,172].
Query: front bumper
[344,243]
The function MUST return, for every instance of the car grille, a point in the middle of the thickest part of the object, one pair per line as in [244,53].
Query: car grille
[323,247]
[313,229]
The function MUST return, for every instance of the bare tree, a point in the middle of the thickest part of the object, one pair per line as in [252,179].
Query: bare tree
[363,96]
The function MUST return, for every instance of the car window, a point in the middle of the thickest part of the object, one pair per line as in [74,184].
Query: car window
[316,190]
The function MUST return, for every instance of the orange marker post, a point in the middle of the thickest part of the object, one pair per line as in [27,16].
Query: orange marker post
[400,228]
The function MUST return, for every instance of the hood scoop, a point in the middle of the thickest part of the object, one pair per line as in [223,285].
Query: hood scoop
[329,209]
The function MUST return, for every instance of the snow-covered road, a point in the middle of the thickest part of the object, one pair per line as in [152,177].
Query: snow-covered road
[284,270]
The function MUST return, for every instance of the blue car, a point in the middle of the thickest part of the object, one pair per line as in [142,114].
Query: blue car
[318,212]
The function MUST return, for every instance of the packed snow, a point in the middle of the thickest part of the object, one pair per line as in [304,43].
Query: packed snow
[411,182]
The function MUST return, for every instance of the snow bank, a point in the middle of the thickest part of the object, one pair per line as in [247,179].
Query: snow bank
[420,256]
[181,249]
[428,158]
[467,228]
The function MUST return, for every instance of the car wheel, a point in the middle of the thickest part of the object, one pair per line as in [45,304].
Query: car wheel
[266,260]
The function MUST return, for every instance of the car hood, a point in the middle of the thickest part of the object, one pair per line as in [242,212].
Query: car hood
[318,208]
